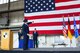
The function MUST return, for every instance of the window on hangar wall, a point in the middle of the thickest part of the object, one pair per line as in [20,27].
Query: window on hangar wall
[6,1]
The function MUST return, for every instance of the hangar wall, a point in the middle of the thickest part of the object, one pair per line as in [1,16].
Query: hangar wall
[16,16]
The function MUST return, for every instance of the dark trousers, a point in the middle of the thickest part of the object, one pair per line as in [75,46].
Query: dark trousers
[25,42]
[35,43]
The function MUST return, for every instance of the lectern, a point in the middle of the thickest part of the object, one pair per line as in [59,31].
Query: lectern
[6,39]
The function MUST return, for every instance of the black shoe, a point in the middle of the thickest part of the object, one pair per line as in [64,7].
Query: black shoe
[26,49]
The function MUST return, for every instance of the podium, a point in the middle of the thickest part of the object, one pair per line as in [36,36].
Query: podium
[6,39]
[30,42]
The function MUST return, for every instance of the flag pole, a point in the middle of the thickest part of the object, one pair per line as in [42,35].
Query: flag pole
[65,35]
[70,39]
[74,28]
[63,21]
[79,29]
[79,23]
[70,42]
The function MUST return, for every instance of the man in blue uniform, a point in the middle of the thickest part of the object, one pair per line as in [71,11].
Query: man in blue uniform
[19,34]
[35,38]
[20,37]
[25,32]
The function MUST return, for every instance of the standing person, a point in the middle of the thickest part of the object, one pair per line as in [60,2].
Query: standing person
[35,38]
[20,37]
[25,32]
[19,34]
[0,38]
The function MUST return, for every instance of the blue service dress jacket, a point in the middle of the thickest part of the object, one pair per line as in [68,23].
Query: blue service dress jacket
[35,35]
[19,35]
[25,28]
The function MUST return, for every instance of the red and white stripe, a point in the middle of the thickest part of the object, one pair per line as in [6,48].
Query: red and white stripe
[51,22]
[64,31]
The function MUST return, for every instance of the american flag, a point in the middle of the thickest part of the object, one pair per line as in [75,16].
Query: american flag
[64,28]
[47,14]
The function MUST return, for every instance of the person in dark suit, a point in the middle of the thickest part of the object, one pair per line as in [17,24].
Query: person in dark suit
[35,38]
[25,32]
[20,36]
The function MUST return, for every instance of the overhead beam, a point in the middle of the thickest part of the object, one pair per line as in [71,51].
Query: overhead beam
[11,11]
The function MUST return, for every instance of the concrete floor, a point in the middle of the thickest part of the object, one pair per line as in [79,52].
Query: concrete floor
[50,49]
